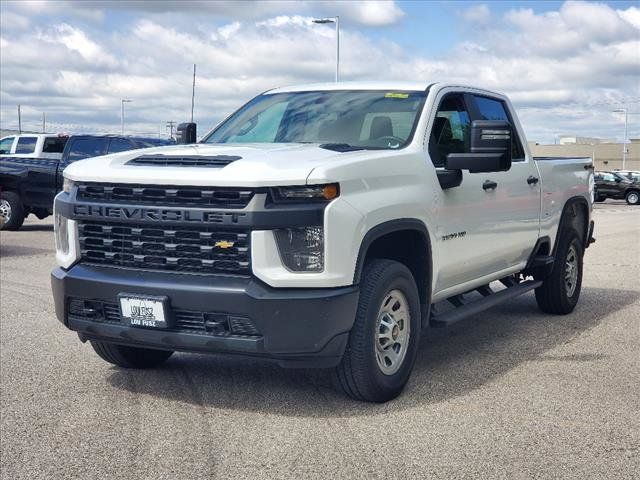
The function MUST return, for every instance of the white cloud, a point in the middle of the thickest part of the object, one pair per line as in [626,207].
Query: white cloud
[477,14]
[559,67]
[631,15]
[367,12]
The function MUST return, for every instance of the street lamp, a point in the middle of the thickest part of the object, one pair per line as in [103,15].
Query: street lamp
[122,102]
[624,140]
[335,20]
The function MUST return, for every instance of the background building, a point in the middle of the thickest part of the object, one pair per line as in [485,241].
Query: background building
[606,156]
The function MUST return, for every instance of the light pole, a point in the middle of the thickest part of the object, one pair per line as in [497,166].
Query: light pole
[624,140]
[122,102]
[335,20]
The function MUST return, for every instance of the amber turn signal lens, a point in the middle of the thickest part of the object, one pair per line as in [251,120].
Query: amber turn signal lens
[329,192]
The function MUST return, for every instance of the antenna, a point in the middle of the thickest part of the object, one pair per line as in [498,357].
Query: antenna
[193,91]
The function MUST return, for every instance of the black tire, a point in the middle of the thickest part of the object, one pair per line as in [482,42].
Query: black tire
[16,216]
[555,295]
[359,374]
[130,357]
[632,197]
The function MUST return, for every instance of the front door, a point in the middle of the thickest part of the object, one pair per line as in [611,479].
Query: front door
[482,230]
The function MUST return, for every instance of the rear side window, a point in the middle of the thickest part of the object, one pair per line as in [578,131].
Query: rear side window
[493,109]
[87,147]
[5,145]
[119,145]
[54,145]
[26,144]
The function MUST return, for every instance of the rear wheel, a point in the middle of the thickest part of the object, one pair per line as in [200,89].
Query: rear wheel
[11,211]
[130,357]
[383,342]
[560,291]
[633,197]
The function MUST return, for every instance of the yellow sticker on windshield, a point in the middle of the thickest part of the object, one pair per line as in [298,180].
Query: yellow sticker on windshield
[396,95]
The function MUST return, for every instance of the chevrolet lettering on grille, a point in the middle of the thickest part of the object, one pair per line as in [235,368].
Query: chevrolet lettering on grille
[155,214]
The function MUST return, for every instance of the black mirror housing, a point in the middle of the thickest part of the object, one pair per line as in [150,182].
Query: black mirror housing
[187,133]
[490,148]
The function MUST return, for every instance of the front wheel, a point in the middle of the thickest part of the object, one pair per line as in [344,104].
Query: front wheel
[383,342]
[560,291]
[130,357]
[633,197]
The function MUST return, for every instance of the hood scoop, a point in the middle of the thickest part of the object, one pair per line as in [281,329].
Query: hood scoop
[155,160]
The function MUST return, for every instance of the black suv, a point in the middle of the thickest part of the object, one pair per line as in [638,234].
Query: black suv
[28,185]
[616,186]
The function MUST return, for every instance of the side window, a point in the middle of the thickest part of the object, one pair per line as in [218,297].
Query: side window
[451,129]
[5,145]
[119,145]
[54,145]
[87,147]
[493,109]
[26,144]
[608,177]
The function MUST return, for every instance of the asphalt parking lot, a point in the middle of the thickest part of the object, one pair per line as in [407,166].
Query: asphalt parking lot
[510,393]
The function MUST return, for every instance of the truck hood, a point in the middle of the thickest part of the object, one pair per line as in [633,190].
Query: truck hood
[260,165]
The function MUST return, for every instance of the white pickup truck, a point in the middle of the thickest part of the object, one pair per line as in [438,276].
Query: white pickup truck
[320,226]
[33,145]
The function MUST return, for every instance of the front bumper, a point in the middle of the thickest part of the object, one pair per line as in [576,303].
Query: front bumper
[296,327]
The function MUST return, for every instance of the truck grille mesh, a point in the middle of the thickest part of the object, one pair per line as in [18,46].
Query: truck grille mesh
[177,249]
[133,194]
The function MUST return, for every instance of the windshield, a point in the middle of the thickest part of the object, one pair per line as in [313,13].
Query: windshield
[359,118]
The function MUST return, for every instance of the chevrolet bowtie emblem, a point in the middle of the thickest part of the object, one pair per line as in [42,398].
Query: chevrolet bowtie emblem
[224,244]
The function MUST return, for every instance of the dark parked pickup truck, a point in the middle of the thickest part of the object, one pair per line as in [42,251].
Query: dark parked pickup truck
[28,185]
[617,186]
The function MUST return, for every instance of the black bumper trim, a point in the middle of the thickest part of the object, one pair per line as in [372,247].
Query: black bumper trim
[299,327]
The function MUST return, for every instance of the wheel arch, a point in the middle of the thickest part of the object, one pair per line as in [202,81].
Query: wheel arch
[413,236]
[575,213]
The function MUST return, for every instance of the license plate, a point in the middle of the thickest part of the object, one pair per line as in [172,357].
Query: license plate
[144,310]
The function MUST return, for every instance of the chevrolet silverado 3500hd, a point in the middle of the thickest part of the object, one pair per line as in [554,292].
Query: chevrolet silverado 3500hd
[320,226]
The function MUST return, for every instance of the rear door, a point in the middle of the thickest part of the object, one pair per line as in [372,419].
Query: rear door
[518,191]
[481,231]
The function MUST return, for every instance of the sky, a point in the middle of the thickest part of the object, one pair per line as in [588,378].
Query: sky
[565,65]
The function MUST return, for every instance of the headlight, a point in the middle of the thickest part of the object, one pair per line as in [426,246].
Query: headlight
[301,249]
[307,192]
[61,234]
[67,185]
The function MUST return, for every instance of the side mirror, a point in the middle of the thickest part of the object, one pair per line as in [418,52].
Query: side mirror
[187,133]
[490,148]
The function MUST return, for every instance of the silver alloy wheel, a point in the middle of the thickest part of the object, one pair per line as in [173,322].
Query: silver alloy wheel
[571,271]
[632,198]
[5,210]
[393,328]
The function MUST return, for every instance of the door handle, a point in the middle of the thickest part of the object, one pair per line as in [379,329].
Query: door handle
[532,180]
[489,185]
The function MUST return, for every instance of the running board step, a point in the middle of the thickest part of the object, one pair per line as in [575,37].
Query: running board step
[487,301]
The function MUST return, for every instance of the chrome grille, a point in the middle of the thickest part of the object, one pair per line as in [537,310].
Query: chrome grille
[178,249]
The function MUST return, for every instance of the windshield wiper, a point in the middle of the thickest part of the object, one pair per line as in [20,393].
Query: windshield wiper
[341,147]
